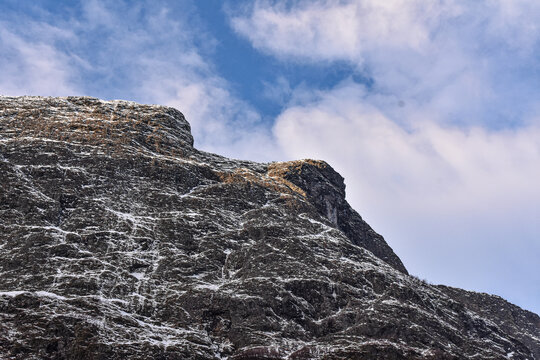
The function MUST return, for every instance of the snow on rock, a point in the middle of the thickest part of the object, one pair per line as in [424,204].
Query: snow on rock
[119,239]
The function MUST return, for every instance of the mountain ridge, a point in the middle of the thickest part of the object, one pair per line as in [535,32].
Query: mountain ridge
[121,240]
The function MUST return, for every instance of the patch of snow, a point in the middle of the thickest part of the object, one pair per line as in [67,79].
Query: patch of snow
[11,293]
[36,293]
[50,295]
[137,275]
[123,215]
[213,287]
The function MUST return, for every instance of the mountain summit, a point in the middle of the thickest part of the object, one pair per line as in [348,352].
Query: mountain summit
[120,240]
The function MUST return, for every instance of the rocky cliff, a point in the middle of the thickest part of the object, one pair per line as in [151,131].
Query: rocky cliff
[120,240]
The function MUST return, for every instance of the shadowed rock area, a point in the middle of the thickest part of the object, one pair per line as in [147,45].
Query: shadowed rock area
[120,240]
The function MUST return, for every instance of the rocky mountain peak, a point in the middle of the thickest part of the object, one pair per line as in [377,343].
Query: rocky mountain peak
[312,175]
[323,187]
[120,240]
[112,126]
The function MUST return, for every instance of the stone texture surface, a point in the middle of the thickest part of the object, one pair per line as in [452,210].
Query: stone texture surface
[120,240]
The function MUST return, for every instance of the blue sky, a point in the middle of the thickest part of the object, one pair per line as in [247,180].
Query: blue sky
[430,110]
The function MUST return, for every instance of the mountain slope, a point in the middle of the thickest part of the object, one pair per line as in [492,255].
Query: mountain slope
[119,239]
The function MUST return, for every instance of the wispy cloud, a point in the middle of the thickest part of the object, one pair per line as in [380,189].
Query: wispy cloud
[338,30]
[467,62]
[33,65]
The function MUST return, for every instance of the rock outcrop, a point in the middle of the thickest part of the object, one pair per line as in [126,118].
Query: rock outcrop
[120,240]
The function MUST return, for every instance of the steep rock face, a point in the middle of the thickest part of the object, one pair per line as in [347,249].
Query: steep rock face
[510,318]
[325,189]
[118,239]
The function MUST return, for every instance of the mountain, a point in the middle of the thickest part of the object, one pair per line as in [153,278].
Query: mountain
[120,240]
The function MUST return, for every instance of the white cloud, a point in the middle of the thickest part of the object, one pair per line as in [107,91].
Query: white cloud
[426,158]
[516,22]
[340,30]
[34,66]
[220,122]
[466,62]
[352,29]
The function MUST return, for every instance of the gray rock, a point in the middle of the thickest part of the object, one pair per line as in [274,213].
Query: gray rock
[119,239]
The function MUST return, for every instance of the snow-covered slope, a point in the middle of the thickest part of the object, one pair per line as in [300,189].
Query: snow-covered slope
[120,240]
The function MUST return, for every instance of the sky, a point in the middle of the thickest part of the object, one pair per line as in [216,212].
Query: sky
[429,109]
